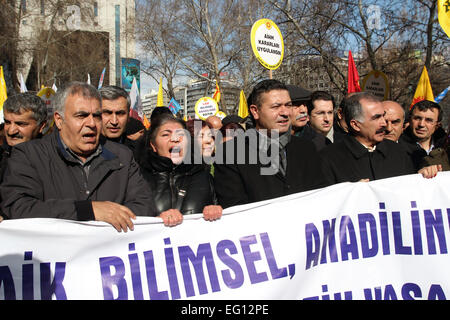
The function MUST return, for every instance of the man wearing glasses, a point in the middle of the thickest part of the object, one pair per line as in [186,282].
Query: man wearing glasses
[299,117]
[321,114]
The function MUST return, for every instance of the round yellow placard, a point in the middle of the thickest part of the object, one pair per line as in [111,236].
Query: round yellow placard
[377,83]
[205,107]
[267,43]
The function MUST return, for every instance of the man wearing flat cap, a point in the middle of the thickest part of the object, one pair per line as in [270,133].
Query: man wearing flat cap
[299,116]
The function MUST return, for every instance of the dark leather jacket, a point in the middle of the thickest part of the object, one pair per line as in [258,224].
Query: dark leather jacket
[186,187]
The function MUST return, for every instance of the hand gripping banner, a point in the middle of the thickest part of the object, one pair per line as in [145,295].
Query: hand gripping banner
[387,239]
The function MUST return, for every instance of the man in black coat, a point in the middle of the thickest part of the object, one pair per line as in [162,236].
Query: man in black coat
[424,137]
[25,116]
[266,162]
[116,120]
[299,117]
[71,174]
[364,154]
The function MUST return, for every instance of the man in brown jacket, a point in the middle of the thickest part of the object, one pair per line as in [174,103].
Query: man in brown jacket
[71,174]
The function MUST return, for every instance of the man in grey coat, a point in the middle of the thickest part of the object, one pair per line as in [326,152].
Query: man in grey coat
[72,174]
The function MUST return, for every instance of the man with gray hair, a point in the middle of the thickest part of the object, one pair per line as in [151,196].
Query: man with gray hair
[115,112]
[72,173]
[364,154]
[25,116]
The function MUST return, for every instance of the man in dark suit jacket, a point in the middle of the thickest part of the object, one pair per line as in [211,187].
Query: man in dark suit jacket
[267,162]
[364,154]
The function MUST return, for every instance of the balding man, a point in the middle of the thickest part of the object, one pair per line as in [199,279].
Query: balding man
[395,118]
[214,122]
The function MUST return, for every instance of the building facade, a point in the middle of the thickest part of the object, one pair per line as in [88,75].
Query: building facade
[105,27]
[188,95]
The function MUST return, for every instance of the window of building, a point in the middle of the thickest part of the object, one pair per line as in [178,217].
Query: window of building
[42,7]
[95,9]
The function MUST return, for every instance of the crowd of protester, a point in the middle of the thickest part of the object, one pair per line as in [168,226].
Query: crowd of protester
[98,163]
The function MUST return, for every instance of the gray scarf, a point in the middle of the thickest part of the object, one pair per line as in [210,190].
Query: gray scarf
[278,140]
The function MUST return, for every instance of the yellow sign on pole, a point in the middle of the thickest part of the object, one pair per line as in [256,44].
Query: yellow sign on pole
[46,94]
[376,82]
[267,43]
[205,107]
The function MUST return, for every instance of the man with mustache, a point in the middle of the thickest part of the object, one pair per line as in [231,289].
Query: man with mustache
[268,161]
[321,114]
[72,173]
[364,154]
[299,116]
[25,116]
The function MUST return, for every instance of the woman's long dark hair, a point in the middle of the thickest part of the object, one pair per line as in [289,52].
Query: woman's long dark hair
[150,135]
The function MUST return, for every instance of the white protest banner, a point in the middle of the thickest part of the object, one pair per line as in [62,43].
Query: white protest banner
[386,239]
[267,43]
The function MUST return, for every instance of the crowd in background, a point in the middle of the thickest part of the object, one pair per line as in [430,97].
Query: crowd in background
[98,163]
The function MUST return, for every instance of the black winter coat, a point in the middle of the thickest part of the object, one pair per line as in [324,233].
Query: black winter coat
[5,153]
[242,182]
[349,161]
[308,133]
[186,187]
